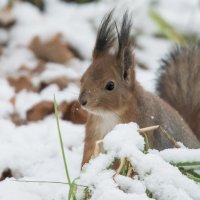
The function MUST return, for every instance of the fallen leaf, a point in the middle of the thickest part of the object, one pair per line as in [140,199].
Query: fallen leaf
[61,82]
[53,51]
[7,173]
[40,111]
[20,83]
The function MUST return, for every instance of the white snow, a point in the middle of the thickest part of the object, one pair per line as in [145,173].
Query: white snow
[3,36]
[15,57]
[33,153]
[180,155]
[25,100]
[6,93]
[154,174]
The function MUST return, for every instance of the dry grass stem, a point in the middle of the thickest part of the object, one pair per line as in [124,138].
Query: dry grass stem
[99,143]
[169,137]
[122,162]
[130,171]
[163,131]
[98,148]
[150,128]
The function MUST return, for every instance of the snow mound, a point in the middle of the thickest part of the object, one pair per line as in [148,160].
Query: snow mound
[153,176]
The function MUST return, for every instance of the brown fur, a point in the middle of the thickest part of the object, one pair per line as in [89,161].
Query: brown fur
[128,101]
[179,84]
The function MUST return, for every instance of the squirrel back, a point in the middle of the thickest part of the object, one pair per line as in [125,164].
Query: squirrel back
[111,94]
[179,83]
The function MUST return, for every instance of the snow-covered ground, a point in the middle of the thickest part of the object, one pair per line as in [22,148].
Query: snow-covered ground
[153,173]
[32,150]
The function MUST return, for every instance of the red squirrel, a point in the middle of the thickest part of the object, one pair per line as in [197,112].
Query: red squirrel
[112,95]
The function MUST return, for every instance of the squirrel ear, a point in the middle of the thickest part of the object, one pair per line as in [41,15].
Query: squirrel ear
[126,62]
[105,36]
[125,55]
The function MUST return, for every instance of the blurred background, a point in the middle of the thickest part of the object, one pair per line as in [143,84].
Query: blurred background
[45,46]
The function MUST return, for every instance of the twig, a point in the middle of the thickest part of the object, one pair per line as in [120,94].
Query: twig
[169,137]
[163,131]
[147,129]
[97,148]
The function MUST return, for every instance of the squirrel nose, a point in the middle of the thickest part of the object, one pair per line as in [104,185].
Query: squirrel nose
[82,100]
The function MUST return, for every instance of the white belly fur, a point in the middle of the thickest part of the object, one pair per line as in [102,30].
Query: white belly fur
[107,122]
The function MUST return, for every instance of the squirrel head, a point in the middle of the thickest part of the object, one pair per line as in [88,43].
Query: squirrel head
[109,81]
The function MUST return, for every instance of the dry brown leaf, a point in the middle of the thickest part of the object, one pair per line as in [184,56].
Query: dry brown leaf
[15,118]
[21,83]
[37,70]
[40,111]
[61,82]
[7,173]
[54,50]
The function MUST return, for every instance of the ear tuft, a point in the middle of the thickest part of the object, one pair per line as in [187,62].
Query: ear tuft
[105,36]
[124,34]
[124,54]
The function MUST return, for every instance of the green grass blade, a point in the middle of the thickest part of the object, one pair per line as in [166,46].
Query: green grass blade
[187,168]
[61,142]
[149,194]
[71,190]
[194,174]
[191,174]
[165,28]
[187,164]
[10,3]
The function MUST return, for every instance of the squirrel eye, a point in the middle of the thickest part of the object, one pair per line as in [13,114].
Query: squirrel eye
[110,86]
